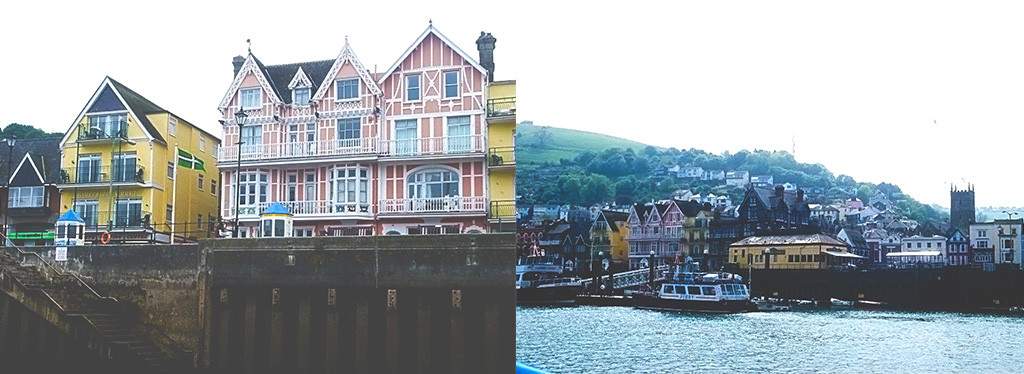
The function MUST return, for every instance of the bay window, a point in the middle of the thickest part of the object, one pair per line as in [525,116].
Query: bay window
[350,189]
[26,197]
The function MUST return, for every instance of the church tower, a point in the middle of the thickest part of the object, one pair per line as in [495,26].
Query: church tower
[961,207]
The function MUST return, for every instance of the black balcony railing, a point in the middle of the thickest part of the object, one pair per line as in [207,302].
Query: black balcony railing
[121,218]
[505,107]
[105,174]
[85,132]
[503,209]
[501,156]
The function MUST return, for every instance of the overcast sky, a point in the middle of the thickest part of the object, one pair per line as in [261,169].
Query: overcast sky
[921,94]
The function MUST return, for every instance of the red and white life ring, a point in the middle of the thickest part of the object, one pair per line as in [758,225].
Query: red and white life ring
[105,238]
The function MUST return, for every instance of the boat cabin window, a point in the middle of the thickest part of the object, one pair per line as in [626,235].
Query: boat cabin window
[668,289]
[708,290]
[693,290]
[531,276]
[727,289]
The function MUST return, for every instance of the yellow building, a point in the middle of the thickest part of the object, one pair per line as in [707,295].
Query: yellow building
[120,174]
[803,251]
[501,155]
[608,235]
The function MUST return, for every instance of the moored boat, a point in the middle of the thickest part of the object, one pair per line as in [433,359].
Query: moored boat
[688,290]
[539,281]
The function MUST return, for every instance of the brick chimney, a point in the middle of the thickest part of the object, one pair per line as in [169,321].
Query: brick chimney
[779,190]
[485,44]
[238,61]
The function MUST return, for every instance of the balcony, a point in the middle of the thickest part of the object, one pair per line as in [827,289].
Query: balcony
[87,133]
[451,204]
[503,210]
[319,148]
[501,108]
[104,175]
[437,146]
[501,156]
[305,209]
[130,219]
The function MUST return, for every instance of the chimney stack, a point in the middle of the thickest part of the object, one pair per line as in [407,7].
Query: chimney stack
[238,61]
[485,44]
[800,195]
[779,190]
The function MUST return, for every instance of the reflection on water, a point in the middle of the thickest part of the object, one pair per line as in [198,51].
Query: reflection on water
[621,339]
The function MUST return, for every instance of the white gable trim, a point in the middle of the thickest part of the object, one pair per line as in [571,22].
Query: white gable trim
[432,30]
[300,80]
[96,95]
[249,66]
[346,55]
[34,167]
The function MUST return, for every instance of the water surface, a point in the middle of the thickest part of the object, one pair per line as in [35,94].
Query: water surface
[588,339]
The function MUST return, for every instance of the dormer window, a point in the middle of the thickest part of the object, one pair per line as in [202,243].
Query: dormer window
[348,89]
[300,96]
[250,98]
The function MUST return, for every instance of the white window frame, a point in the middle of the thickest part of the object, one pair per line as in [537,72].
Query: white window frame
[453,84]
[464,144]
[213,186]
[253,186]
[350,189]
[200,182]
[172,126]
[309,95]
[170,170]
[337,89]
[418,187]
[419,87]
[26,197]
[110,124]
[202,143]
[253,94]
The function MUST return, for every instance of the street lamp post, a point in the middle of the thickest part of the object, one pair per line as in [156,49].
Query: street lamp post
[239,120]
[11,139]
[650,266]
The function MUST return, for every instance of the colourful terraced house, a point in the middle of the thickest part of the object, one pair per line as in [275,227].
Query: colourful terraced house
[501,145]
[350,152]
[119,171]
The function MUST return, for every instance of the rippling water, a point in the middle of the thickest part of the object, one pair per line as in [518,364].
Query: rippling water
[589,339]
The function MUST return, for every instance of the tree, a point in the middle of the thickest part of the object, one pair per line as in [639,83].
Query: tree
[542,136]
[26,132]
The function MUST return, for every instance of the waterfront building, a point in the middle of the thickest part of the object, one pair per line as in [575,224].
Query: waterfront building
[350,152]
[999,240]
[957,248]
[854,237]
[501,148]
[799,251]
[31,198]
[761,212]
[654,228]
[919,251]
[874,239]
[135,172]
[608,235]
[696,223]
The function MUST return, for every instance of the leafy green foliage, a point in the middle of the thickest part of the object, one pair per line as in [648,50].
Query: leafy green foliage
[26,132]
[596,170]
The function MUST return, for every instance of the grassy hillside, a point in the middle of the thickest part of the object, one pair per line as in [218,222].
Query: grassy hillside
[536,144]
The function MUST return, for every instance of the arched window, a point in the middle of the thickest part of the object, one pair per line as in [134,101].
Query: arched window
[433,183]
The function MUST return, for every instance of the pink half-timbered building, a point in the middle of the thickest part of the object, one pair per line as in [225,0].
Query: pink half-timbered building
[348,152]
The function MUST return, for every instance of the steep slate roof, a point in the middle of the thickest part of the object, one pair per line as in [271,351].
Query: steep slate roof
[690,208]
[856,238]
[790,239]
[45,153]
[280,75]
[611,217]
[141,106]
